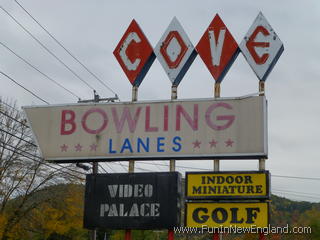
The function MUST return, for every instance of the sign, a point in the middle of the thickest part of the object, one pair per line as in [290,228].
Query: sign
[181,129]
[134,54]
[228,185]
[175,52]
[261,47]
[217,48]
[235,214]
[133,200]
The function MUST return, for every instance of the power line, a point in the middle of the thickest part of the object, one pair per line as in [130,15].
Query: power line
[122,166]
[294,177]
[16,130]
[103,168]
[11,134]
[299,195]
[304,193]
[206,169]
[47,49]
[35,68]
[8,105]
[12,118]
[35,95]
[14,150]
[68,51]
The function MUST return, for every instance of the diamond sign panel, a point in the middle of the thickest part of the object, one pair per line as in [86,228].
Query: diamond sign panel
[218,49]
[261,47]
[134,54]
[175,52]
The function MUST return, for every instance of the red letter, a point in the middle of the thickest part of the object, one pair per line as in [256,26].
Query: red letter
[126,116]
[166,118]
[193,123]
[84,121]
[65,121]
[148,128]
[251,44]
[229,118]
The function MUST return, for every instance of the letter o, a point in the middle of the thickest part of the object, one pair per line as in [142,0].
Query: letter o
[86,115]
[229,179]
[239,179]
[215,216]
[148,190]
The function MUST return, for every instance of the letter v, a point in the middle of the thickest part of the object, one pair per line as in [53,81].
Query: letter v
[113,190]
[216,47]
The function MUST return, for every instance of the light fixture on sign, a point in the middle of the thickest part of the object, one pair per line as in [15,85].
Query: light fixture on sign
[217,48]
[134,54]
[175,52]
[261,47]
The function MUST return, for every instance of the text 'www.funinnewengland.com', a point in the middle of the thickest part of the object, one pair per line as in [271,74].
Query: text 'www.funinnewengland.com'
[204,229]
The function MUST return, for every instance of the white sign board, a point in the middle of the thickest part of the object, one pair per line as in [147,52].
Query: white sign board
[179,129]
[175,52]
[261,47]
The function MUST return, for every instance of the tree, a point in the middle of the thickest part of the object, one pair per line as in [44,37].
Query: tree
[22,172]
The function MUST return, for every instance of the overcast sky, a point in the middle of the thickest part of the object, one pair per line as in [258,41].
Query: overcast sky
[92,29]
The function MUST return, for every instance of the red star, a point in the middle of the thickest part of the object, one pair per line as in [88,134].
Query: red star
[93,147]
[78,147]
[196,144]
[64,148]
[229,143]
[213,143]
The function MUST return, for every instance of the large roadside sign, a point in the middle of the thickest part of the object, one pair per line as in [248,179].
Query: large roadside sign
[228,185]
[231,214]
[133,200]
[180,129]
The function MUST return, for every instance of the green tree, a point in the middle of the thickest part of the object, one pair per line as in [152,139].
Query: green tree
[22,173]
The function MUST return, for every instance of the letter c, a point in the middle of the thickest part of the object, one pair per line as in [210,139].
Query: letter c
[131,66]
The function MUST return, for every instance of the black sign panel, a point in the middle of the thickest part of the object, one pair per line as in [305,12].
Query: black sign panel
[133,200]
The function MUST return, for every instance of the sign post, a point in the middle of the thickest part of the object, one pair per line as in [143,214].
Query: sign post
[135,64]
[175,53]
[261,48]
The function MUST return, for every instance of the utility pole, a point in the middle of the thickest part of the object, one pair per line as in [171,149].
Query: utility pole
[95,165]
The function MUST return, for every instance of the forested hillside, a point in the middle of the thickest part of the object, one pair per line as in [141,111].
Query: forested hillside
[61,218]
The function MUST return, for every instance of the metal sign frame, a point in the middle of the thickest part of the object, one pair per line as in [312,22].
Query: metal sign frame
[225,202]
[251,155]
[153,201]
[229,197]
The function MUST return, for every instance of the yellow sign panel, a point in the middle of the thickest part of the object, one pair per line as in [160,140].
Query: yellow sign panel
[235,214]
[227,185]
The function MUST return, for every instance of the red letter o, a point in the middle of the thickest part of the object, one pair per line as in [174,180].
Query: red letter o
[84,120]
